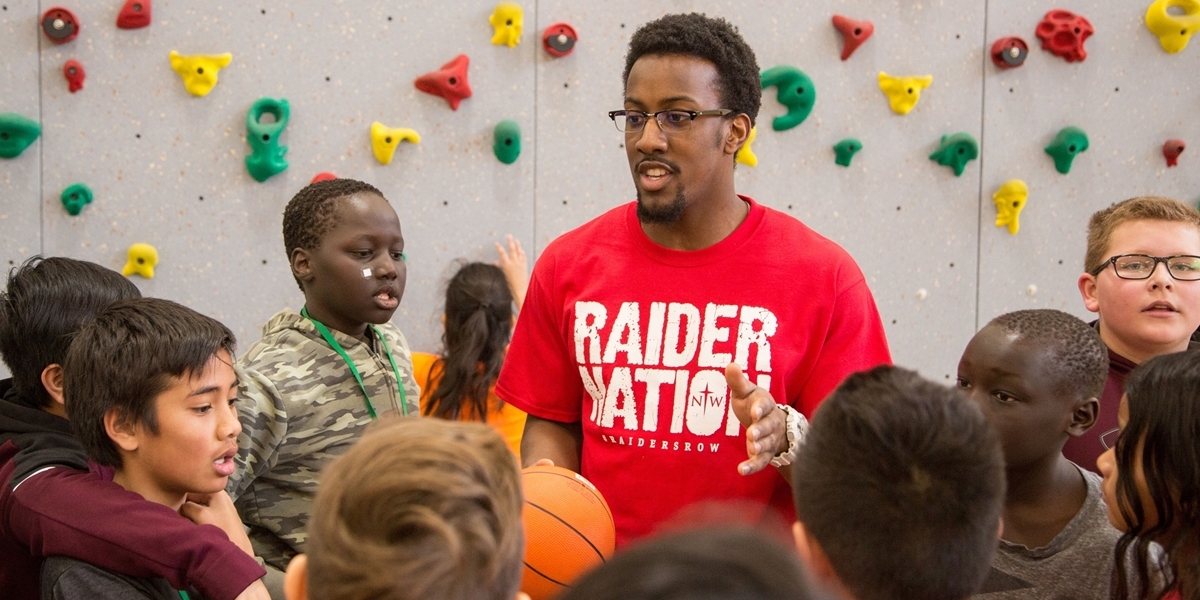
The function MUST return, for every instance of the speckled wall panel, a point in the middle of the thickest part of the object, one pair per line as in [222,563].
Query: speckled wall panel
[1129,96]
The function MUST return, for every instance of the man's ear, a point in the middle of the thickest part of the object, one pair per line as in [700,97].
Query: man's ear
[120,431]
[52,380]
[295,579]
[301,267]
[814,558]
[739,132]
[1083,416]
[1087,289]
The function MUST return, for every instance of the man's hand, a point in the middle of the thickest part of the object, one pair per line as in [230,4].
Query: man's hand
[765,425]
[217,509]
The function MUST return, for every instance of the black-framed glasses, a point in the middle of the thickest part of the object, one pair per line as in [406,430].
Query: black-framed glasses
[1182,267]
[674,120]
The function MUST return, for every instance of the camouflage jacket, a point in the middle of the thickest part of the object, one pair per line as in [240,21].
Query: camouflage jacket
[300,408]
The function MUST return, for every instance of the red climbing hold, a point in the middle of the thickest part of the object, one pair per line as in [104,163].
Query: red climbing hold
[75,75]
[134,15]
[853,32]
[322,176]
[449,82]
[559,39]
[1009,52]
[60,25]
[1171,150]
[1063,33]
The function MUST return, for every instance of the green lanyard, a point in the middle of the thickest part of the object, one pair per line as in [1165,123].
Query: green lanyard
[333,343]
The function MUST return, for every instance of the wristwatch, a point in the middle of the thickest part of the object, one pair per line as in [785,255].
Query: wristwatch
[796,427]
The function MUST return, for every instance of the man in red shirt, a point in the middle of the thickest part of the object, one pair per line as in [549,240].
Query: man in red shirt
[656,339]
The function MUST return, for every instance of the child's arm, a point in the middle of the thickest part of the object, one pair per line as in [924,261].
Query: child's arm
[79,514]
[516,269]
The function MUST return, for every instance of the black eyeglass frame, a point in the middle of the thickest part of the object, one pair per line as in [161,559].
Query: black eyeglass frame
[692,116]
[1165,260]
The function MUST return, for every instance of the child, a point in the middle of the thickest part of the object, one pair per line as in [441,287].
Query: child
[149,386]
[418,509]
[1144,310]
[51,504]
[898,489]
[318,377]
[460,384]
[1152,481]
[1036,375]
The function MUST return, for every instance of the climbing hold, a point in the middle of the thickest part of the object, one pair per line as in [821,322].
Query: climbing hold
[266,155]
[1171,150]
[794,90]
[75,75]
[922,294]
[449,82]
[134,15]
[507,144]
[60,25]
[1009,200]
[385,140]
[745,154]
[508,19]
[559,39]
[199,71]
[1009,52]
[854,33]
[903,92]
[956,151]
[75,197]
[142,260]
[1063,33]
[846,149]
[16,134]
[322,176]
[1069,142]
[1173,31]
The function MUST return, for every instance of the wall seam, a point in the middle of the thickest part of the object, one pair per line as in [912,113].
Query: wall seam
[41,145]
[982,157]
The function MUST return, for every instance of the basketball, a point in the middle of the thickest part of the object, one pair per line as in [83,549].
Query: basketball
[568,530]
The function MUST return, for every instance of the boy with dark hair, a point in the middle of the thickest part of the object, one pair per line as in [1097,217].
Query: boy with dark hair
[898,489]
[317,378]
[150,387]
[1036,375]
[1144,310]
[418,509]
[49,502]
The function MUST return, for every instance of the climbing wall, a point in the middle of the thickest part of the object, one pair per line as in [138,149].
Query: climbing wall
[167,167]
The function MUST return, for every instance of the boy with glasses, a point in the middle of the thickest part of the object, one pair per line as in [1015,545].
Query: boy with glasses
[1142,276]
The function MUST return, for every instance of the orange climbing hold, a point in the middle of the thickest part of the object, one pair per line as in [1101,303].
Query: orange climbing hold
[449,82]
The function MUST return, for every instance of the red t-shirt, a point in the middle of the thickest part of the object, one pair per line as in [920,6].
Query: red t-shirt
[632,339]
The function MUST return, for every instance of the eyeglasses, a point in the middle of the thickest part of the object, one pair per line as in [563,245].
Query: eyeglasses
[1182,267]
[670,121]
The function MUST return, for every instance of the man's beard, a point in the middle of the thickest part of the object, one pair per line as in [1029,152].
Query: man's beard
[662,215]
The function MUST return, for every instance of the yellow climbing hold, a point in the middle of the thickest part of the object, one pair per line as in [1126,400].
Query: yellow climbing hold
[1173,31]
[142,259]
[508,19]
[1010,199]
[903,92]
[384,140]
[746,154]
[199,71]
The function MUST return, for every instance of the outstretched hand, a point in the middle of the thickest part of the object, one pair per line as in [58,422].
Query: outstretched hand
[516,269]
[765,426]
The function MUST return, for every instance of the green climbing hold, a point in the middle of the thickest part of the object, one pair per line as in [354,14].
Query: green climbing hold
[846,149]
[16,134]
[1068,143]
[266,155]
[75,197]
[794,90]
[507,146]
[956,151]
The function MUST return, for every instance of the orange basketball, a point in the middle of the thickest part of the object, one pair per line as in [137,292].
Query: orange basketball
[568,530]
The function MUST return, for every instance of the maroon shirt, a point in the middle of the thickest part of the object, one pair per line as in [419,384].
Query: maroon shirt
[1085,449]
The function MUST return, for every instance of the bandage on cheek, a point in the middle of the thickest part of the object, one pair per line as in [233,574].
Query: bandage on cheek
[367,273]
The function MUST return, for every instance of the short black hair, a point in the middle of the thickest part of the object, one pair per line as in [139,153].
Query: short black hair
[900,481]
[703,564]
[44,303]
[1080,359]
[711,39]
[126,357]
[311,213]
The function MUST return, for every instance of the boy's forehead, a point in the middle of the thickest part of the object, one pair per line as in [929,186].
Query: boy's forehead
[1132,235]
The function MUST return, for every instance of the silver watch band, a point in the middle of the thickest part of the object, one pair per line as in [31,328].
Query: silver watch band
[796,426]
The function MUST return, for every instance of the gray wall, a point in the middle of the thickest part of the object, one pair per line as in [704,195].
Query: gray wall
[167,168]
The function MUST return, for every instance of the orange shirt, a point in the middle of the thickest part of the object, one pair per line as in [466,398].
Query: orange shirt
[508,419]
